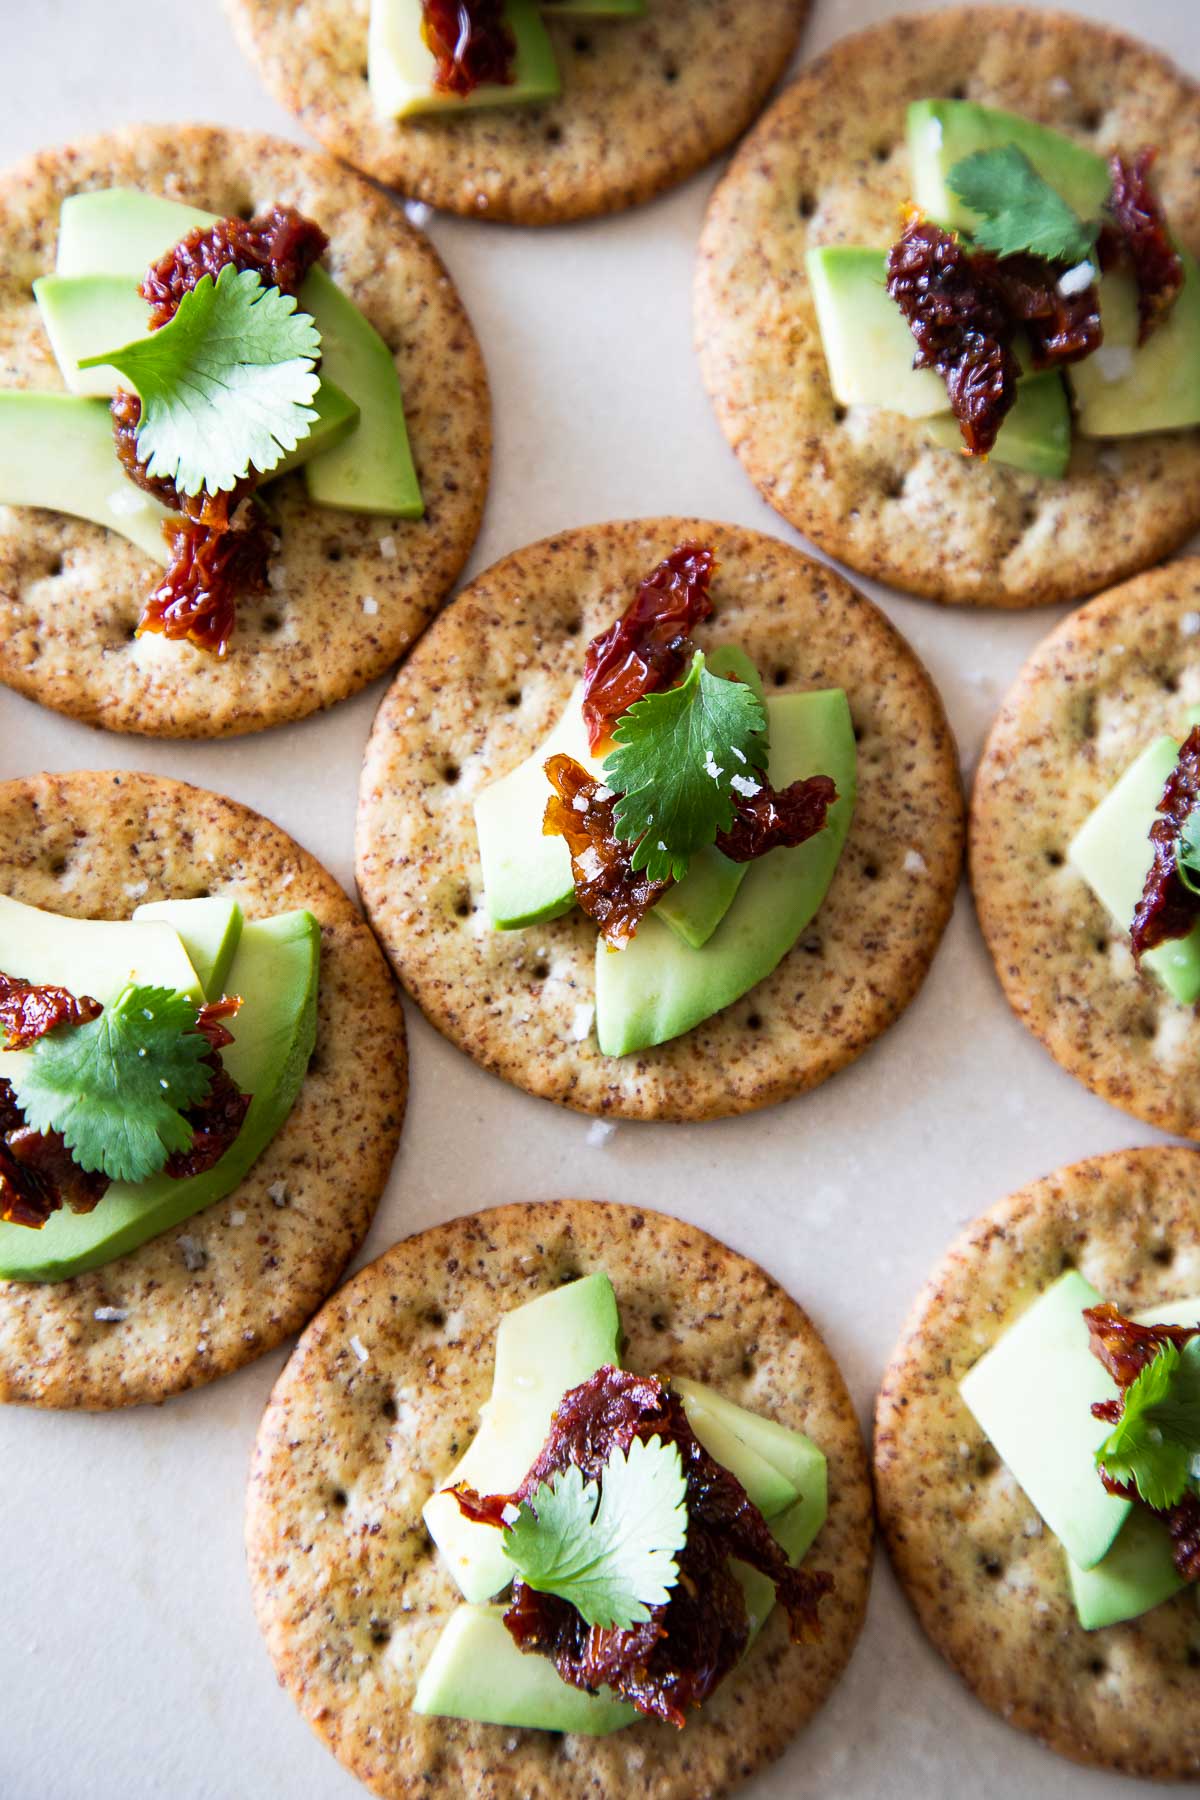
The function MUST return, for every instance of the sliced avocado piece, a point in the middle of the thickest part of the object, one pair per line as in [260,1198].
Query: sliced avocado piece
[209,931]
[1111,850]
[868,346]
[791,1452]
[93,957]
[1036,433]
[543,1348]
[401,65]
[943,132]
[657,987]
[768,1487]
[84,315]
[1032,1393]
[477,1672]
[1138,1573]
[1126,388]
[119,231]
[526,875]
[56,451]
[275,970]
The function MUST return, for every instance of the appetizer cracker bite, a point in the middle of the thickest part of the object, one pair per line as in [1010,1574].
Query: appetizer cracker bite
[535,111]
[948,309]
[244,432]
[1037,1441]
[661,819]
[202,1081]
[1085,822]
[496,1494]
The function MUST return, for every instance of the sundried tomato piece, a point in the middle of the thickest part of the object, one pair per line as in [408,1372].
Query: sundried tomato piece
[28,1011]
[37,1172]
[219,1117]
[472,43]
[777,819]
[282,245]
[646,648]
[1168,909]
[961,326]
[209,572]
[1139,238]
[680,1655]
[607,886]
[1060,328]
[210,1020]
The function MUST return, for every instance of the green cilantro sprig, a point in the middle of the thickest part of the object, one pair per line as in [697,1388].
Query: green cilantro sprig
[1156,1444]
[676,759]
[116,1087]
[1187,852]
[1019,210]
[224,385]
[608,1547]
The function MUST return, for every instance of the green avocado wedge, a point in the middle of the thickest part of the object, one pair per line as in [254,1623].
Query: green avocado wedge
[209,930]
[477,1672]
[1126,388]
[119,232]
[1136,1575]
[942,133]
[401,66]
[1035,435]
[56,451]
[657,987]
[275,970]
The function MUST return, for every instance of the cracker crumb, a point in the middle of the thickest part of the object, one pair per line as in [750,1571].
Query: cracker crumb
[110,1315]
[194,1254]
[359,1348]
[599,1132]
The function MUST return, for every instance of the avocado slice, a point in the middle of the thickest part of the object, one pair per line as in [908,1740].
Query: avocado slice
[942,132]
[56,451]
[791,1452]
[209,930]
[275,970]
[1032,1393]
[1036,433]
[1111,850]
[543,1348]
[1126,388]
[477,1672]
[119,231]
[1138,1573]
[401,65]
[657,987]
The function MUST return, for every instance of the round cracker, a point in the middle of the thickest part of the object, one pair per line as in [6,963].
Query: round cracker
[644,103]
[989,1585]
[71,593]
[93,846]
[348,1589]
[1114,676]
[479,694]
[829,164]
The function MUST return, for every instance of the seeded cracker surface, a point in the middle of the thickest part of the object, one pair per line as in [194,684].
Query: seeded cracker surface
[988,1582]
[71,593]
[644,103]
[348,1589]
[95,846]
[828,164]
[479,694]
[1110,679]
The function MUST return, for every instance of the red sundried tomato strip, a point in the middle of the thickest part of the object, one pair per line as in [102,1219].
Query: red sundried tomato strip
[777,819]
[1125,1349]
[1138,236]
[472,43]
[1167,908]
[607,886]
[209,571]
[28,1012]
[1060,328]
[679,1656]
[647,647]
[282,245]
[219,1117]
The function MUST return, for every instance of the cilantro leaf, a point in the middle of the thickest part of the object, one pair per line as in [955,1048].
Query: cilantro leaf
[224,384]
[608,1547]
[1156,1444]
[1187,852]
[676,756]
[115,1088]
[1020,210]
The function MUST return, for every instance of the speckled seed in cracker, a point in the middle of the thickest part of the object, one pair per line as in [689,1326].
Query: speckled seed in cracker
[645,103]
[348,1590]
[988,1586]
[1117,674]
[248,1271]
[829,164]
[477,696]
[71,593]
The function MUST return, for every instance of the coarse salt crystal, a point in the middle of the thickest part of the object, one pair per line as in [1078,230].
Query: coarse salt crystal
[1032,1527]
[1190,624]
[359,1348]
[277,1192]
[135,889]
[194,1254]
[387,548]
[744,785]
[581,803]
[237,1218]
[110,1315]
[915,863]
[581,1023]
[419,214]
[1076,280]
[1114,361]
[370,604]
[277,577]
[599,1131]
[712,768]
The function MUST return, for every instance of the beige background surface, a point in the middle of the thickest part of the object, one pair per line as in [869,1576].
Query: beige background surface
[133,1665]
